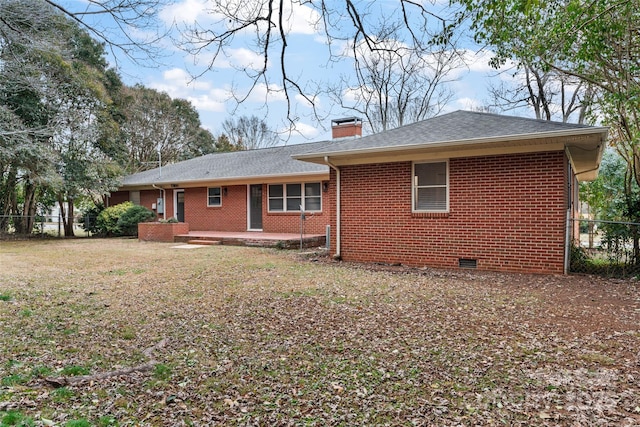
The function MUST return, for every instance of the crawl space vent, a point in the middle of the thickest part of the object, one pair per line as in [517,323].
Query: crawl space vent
[467,263]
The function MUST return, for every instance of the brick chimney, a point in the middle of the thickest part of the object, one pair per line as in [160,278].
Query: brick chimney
[348,127]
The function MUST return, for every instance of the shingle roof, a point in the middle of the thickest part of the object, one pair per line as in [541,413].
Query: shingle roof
[275,161]
[458,126]
[452,127]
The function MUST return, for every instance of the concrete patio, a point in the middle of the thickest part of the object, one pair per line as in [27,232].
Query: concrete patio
[253,238]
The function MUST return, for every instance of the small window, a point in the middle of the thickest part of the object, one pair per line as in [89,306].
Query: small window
[431,187]
[312,197]
[134,197]
[214,196]
[276,198]
[292,197]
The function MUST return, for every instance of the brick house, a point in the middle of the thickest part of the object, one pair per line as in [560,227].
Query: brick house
[463,189]
[255,190]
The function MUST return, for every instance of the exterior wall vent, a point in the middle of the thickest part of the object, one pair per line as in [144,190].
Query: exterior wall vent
[467,263]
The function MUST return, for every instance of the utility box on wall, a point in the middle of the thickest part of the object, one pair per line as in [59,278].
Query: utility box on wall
[160,206]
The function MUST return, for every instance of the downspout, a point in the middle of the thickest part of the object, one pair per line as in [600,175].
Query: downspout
[568,234]
[164,201]
[335,168]
[567,247]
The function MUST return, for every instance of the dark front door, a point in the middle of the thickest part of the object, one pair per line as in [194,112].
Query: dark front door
[255,207]
[180,206]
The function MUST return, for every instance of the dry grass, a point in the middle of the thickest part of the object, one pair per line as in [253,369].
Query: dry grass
[260,337]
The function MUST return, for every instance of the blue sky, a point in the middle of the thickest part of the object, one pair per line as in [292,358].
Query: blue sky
[307,58]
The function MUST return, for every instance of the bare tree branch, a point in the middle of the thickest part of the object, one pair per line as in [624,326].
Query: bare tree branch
[263,25]
[126,16]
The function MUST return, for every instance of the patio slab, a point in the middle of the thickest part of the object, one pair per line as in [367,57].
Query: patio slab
[254,238]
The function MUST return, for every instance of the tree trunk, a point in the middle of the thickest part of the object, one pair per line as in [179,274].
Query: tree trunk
[68,224]
[28,209]
[7,192]
[24,220]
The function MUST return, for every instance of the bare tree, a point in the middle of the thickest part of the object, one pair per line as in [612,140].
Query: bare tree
[119,24]
[249,133]
[128,27]
[549,93]
[267,25]
[398,85]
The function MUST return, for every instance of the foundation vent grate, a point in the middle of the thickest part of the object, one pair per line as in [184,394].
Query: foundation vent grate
[467,263]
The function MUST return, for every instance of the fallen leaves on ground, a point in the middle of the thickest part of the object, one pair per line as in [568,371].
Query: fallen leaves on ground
[263,337]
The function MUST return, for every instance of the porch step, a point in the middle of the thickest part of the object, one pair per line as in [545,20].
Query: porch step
[204,242]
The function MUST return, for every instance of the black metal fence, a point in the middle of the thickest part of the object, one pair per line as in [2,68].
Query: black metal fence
[606,248]
[43,225]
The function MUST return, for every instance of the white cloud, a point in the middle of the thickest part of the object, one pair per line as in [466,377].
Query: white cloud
[179,84]
[262,93]
[177,81]
[207,103]
[305,130]
[184,12]
[468,103]
[297,18]
[479,61]
[240,58]
[301,100]
[300,19]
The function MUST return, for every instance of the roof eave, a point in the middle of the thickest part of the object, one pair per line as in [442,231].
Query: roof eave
[236,180]
[319,157]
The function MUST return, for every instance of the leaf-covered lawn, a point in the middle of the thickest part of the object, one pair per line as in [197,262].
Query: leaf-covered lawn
[246,336]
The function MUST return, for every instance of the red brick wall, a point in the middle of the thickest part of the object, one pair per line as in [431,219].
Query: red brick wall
[508,212]
[346,130]
[289,222]
[159,232]
[118,197]
[149,198]
[231,216]
[168,204]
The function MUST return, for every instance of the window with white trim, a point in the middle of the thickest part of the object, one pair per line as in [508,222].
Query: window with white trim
[431,187]
[290,197]
[214,196]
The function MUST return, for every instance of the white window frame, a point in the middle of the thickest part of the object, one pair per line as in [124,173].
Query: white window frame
[303,197]
[415,187]
[209,205]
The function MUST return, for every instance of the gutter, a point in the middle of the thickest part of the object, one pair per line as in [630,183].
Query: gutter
[234,180]
[454,143]
[337,169]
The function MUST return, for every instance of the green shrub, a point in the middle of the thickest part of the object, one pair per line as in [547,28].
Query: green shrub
[172,220]
[122,219]
[107,221]
[89,219]
[128,221]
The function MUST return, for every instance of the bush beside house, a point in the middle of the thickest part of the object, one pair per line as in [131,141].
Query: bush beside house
[122,219]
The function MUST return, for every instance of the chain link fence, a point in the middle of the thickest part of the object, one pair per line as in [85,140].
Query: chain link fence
[606,248]
[43,225]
